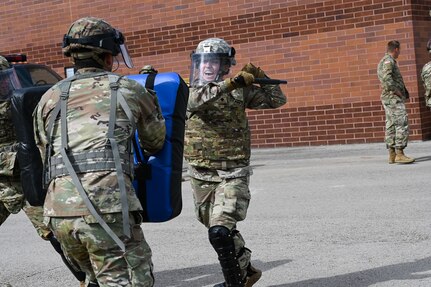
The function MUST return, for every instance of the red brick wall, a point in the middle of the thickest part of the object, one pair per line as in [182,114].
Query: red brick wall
[327,50]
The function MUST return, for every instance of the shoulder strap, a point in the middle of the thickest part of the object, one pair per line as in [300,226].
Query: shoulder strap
[115,98]
[149,83]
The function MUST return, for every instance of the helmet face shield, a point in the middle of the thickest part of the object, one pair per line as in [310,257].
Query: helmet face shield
[208,67]
[125,53]
[8,83]
[121,45]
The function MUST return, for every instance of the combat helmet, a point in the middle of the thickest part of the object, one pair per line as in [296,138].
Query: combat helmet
[209,49]
[89,37]
[4,64]
[217,47]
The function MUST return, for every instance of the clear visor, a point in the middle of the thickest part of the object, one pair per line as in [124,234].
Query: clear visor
[126,58]
[8,83]
[206,68]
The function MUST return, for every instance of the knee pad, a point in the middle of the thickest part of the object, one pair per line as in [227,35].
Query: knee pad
[221,239]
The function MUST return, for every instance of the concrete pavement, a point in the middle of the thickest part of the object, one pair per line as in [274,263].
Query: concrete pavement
[330,216]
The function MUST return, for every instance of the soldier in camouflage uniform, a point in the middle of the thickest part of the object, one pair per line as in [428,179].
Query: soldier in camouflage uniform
[217,149]
[426,77]
[11,196]
[394,94]
[90,204]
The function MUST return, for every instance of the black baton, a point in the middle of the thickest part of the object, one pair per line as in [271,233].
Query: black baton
[266,81]
[263,81]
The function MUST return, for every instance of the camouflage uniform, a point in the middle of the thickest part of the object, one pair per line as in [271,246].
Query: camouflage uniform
[397,127]
[217,149]
[83,240]
[426,79]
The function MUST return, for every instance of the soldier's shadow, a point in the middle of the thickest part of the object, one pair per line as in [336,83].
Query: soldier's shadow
[203,275]
[423,158]
[416,270]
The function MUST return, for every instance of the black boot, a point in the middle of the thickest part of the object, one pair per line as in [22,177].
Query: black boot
[253,275]
[222,241]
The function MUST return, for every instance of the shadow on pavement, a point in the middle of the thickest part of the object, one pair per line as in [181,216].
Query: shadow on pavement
[423,158]
[402,271]
[204,275]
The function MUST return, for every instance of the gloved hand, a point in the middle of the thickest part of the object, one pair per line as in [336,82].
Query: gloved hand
[255,71]
[240,80]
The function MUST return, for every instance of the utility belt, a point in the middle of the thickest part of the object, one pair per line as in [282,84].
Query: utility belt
[90,161]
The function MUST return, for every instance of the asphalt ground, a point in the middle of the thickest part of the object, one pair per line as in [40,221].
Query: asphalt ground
[330,216]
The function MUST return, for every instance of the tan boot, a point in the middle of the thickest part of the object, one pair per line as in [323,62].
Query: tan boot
[402,158]
[392,155]
[82,284]
[253,275]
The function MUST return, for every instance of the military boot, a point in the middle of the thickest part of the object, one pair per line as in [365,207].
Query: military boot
[402,158]
[392,155]
[253,275]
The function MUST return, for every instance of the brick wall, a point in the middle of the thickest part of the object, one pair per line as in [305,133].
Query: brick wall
[327,50]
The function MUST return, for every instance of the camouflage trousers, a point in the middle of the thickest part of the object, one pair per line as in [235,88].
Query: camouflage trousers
[89,248]
[397,124]
[12,201]
[224,203]
[35,214]
[11,197]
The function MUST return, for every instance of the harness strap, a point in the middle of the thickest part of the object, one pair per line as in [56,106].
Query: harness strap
[64,88]
[61,108]
[113,83]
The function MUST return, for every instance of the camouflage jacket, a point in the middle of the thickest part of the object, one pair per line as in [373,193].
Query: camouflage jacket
[7,140]
[87,119]
[217,130]
[426,79]
[390,78]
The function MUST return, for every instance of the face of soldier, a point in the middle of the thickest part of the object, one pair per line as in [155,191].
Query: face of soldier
[396,53]
[209,69]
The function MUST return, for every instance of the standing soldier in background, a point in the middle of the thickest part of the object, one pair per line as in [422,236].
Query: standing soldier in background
[84,125]
[426,77]
[11,196]
[217,149]
[394,94]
